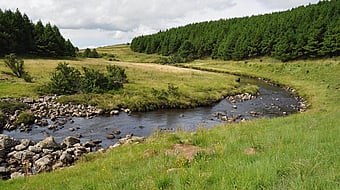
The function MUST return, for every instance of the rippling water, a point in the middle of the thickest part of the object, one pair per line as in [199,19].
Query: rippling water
[271,102]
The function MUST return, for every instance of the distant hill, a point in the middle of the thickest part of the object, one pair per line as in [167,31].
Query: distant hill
[311,31]
[19,35]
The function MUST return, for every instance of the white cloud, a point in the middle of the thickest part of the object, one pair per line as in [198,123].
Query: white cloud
[104,22]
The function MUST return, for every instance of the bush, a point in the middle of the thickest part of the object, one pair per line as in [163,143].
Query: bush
[94,81]
[26,118]
[17,67]
[67,80]
[3,120]
[12,106]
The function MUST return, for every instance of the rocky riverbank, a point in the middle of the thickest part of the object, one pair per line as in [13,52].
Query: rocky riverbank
[25,157]
[49,113]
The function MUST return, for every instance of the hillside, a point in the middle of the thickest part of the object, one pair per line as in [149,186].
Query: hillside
[311,31]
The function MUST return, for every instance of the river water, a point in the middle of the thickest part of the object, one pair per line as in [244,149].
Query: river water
[272,101]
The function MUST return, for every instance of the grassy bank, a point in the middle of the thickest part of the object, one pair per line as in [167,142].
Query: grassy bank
[147,89]
[296,152]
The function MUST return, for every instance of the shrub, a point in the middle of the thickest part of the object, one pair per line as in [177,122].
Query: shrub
[25,117]
[94,81]
[116,74]
[17,67]
[3,120]
[12,106]
[65,80]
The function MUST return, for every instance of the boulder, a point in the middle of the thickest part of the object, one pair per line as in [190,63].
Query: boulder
[7,142]
[16,175]
[66,158]
[48,143]
[70,141]
[43,164]
[35,149]
[24,144]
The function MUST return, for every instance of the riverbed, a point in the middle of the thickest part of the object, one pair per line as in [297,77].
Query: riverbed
[271,101]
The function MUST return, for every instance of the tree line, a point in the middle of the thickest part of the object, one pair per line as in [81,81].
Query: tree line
[311,31]
[19,35]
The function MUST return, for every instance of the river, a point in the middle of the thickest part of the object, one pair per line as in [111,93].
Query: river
[272,101]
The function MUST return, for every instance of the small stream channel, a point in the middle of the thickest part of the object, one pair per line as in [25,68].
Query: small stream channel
[272,101]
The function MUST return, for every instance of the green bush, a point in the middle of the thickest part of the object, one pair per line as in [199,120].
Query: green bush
[68,80]
[7,106]
[65,80]
[3,120]
[25,117]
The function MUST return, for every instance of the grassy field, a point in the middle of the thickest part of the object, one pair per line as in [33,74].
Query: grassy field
[296,152]
[194,87]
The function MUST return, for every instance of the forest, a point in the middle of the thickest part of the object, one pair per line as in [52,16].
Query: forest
[305,32]
[20,36]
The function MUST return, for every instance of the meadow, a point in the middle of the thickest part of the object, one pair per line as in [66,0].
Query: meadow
[300,151]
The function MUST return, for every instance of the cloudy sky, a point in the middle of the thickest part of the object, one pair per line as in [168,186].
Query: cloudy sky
[94,23]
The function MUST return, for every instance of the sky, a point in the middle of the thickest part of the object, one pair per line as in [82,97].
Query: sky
[96,23]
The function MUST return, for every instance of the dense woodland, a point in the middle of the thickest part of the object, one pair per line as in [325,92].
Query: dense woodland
[304,32]
[19,35]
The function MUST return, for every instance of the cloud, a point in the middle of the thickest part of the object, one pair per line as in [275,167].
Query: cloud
[96,23]
[285,4]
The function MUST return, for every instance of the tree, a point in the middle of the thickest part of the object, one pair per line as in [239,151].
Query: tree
[17,67]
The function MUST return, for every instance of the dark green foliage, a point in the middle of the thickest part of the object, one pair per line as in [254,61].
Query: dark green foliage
[3,120]
[68,80]
[94,81]
[65,80]
[116,74]
[17,67]
[25,117]
[8,106]
[311,31]
[90,53]
[19,35]
[165,94]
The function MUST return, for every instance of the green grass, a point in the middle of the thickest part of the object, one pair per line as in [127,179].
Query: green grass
[296,152]
[124,53]
[195,87]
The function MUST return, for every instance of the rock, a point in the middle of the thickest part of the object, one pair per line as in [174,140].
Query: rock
[66,158]
[116,132]
[43,164]
[97,141]
[57,165]
[110,136]
[99,112]
[3,153]
[24,144]
[48,143]
[18,155]
[70,141]
[7,142]
[3,170]
[27,155]
[16,175]
[35,149]
[250,151]
[71,129]
[114,112]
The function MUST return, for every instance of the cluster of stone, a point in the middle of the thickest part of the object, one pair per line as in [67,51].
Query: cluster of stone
[25,157]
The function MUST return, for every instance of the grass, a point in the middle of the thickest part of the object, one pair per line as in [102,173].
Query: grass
[195,87]
[296,152]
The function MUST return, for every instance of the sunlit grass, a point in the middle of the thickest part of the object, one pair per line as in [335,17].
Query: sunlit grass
[300,151]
